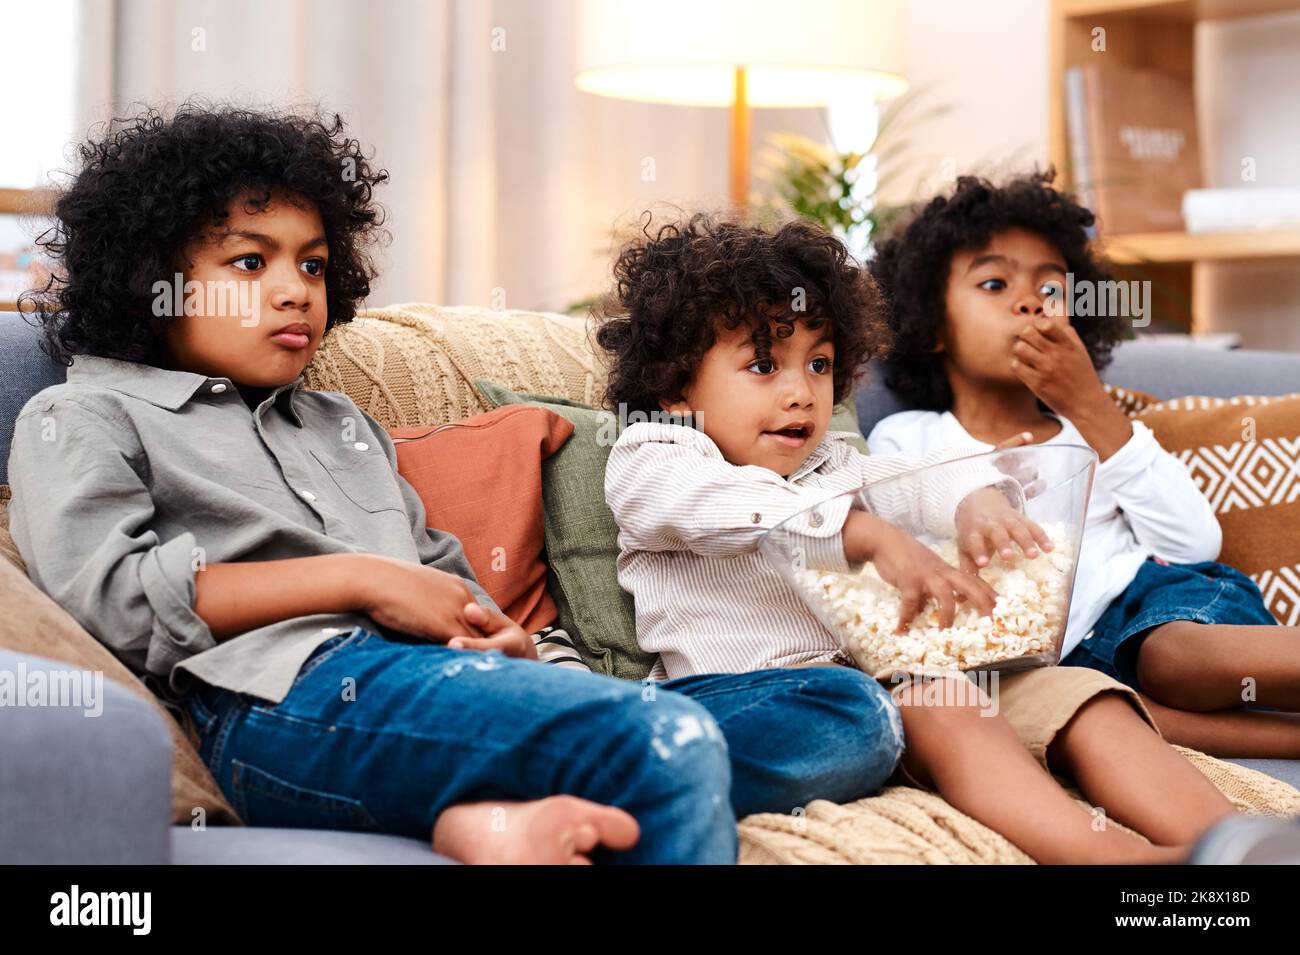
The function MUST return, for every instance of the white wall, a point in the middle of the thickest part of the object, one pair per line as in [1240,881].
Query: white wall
[571,164]
[989,62]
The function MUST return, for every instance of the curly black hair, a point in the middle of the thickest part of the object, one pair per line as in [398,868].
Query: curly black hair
[677,287]
[148,185]
[911,267]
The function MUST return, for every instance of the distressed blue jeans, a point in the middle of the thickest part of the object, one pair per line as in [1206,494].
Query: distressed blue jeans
[381,736]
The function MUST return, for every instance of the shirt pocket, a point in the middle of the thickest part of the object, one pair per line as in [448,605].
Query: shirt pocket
[363,476]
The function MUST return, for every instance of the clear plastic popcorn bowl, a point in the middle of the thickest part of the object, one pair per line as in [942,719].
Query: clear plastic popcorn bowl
[1033,594]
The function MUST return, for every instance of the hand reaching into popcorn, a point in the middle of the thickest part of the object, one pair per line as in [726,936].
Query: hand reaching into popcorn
[919,574]
[986,523]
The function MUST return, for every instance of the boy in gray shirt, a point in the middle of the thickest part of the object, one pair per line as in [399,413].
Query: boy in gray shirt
[248,549]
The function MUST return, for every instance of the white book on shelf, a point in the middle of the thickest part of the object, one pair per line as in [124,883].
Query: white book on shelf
[1241,209]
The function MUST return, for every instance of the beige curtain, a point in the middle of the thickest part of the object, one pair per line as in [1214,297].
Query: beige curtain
[507,183]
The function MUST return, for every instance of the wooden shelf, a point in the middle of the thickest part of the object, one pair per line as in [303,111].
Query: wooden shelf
[26,201]
[1180,247]
[1156,34]
[1190,10]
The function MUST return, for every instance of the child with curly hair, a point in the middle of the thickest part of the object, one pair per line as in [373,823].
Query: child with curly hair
[987,344]
[743,338]
[247,548]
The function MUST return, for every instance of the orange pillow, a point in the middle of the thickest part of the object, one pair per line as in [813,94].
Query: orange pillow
[481,479]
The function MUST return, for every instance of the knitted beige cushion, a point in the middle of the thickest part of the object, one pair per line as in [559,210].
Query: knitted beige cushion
[415,364]
[912,826]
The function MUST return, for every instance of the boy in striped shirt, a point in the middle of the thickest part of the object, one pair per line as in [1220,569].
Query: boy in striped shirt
[748,337]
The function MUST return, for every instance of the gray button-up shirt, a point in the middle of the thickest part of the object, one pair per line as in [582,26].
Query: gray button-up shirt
[129,479]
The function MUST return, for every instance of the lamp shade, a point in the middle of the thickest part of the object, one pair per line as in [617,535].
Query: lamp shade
[795,53]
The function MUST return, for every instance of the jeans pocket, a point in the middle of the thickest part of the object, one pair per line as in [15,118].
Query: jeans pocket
[204,716]
[262,799]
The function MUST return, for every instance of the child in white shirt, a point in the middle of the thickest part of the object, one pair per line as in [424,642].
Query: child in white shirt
[987,346]
[748,337]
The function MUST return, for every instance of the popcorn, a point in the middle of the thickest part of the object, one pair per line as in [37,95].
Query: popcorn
[1028,618]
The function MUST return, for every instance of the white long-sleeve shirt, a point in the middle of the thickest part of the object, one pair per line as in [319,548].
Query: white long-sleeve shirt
[689,525]
[1144,503]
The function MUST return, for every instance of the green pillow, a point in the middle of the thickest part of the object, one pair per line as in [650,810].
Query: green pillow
[845,418]
[582,538]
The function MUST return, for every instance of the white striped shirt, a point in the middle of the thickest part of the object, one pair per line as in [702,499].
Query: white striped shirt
[689,525]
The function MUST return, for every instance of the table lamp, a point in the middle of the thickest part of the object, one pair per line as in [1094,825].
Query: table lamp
[742,54]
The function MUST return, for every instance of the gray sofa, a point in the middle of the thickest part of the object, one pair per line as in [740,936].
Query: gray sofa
[77,790]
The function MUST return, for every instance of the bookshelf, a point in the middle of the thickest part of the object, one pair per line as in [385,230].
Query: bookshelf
[1159,34]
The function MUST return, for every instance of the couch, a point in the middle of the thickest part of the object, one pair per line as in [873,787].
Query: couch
[74,790]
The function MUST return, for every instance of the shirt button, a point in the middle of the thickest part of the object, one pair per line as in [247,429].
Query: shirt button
[755,517]
[307,495]
[361,446]
[815,518]
[218,388]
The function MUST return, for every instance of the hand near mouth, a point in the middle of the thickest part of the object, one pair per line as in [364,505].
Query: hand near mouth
[1053,362]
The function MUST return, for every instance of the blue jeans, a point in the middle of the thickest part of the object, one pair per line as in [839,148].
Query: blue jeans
[1205,592]
[381,736]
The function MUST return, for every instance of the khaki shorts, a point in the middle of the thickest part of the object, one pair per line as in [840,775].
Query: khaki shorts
[1038,704]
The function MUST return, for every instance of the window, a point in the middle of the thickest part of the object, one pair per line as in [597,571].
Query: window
[38,74]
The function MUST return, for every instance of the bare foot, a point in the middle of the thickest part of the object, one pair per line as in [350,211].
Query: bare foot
[558,830]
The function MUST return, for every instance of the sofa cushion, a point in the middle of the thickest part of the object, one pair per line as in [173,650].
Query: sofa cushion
[1244,455]
[32,623]
[481,479]
[415,364]
[582,539]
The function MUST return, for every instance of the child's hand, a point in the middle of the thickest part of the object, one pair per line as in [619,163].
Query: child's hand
[918,572]
[1054,364]
[503,634]
[1052,361]
[422,601]
[986,522]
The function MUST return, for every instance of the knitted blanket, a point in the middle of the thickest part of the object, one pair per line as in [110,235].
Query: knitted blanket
[911,826]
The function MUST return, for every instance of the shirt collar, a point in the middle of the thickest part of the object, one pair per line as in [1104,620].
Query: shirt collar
[164,387]
[816,459]
[652,431]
